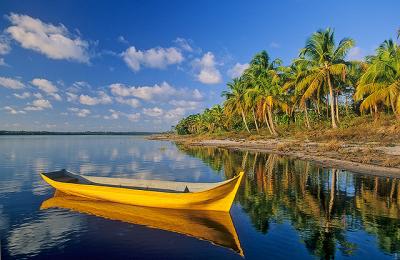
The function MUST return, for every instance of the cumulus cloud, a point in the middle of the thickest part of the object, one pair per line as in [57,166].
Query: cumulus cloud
[133,102]
[44,85]
[237,70]
[153,112]
[38,105]
[11,83]
[13,111]
[175,113]
[114,114]
[146,92]
[207,71]
[185,103]
[23,95]
[79,112]
[56,42]
[4,45]
[102,98]
[157,92]
[158,57]
[47,86]
[38,95]
[133,117]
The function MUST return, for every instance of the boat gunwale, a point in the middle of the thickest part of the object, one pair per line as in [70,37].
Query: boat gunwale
[158,191]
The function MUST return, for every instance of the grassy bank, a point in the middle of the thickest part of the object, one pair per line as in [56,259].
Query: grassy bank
[361,144]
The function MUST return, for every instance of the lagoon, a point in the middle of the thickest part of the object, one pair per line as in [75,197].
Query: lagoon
[285,208]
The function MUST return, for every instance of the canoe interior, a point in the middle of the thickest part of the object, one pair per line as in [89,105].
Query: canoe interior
[153,185]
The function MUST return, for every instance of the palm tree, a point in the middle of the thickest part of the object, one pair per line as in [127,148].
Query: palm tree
[262,79]
[294,74]
[235,100]
[380,84]
[325,61]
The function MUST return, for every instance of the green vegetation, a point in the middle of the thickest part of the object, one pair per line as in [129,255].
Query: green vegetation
[320,86]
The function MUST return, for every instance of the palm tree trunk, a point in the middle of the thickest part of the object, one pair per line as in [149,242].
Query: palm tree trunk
[306,115]
[255,120]
[392,105]
[244,121]
[337,107]
[266,122]
[327,106]
[271,122]
[317,104]
[333,191]
[331,99]
[346,106]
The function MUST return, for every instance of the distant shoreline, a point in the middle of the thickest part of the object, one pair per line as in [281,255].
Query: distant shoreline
[3,132]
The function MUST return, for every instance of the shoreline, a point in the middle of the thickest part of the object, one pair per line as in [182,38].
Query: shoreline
[308,151]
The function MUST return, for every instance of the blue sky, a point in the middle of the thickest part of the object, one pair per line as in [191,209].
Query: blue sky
[143,65]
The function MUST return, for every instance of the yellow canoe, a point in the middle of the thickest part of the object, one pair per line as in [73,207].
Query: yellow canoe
[214,227]
[149,193]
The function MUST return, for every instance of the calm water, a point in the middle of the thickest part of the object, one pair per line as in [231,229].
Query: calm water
[285,208]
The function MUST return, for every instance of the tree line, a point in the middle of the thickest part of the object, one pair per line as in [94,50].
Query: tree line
[320,85]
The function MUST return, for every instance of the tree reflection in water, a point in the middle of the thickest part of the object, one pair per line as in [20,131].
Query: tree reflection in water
[321,204]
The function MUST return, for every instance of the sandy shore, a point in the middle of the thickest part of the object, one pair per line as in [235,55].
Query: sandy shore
[366,158]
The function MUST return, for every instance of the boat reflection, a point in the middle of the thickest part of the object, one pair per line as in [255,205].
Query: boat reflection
[214,227]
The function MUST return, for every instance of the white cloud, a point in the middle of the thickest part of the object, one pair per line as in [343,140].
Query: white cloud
[11,83]
[184,44]
[158,92]
[4,45]
[48,87]
[133,117]
[356,53]
[153,112]
[79,112]
[133,102]
[13,111]
[56,42]
[146,92]
[71,97]
[102,98]
[207,71]
[44,85]
[38,95]
[114,114]
[175,113]
[38,105]
[237,70]
[23,95]
[185,103]
[56,96]
[78,86]
[158,57]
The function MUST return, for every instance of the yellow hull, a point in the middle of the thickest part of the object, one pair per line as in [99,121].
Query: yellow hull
[219,198]
[214,227]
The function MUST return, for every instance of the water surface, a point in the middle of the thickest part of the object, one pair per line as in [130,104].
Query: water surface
[285,208]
